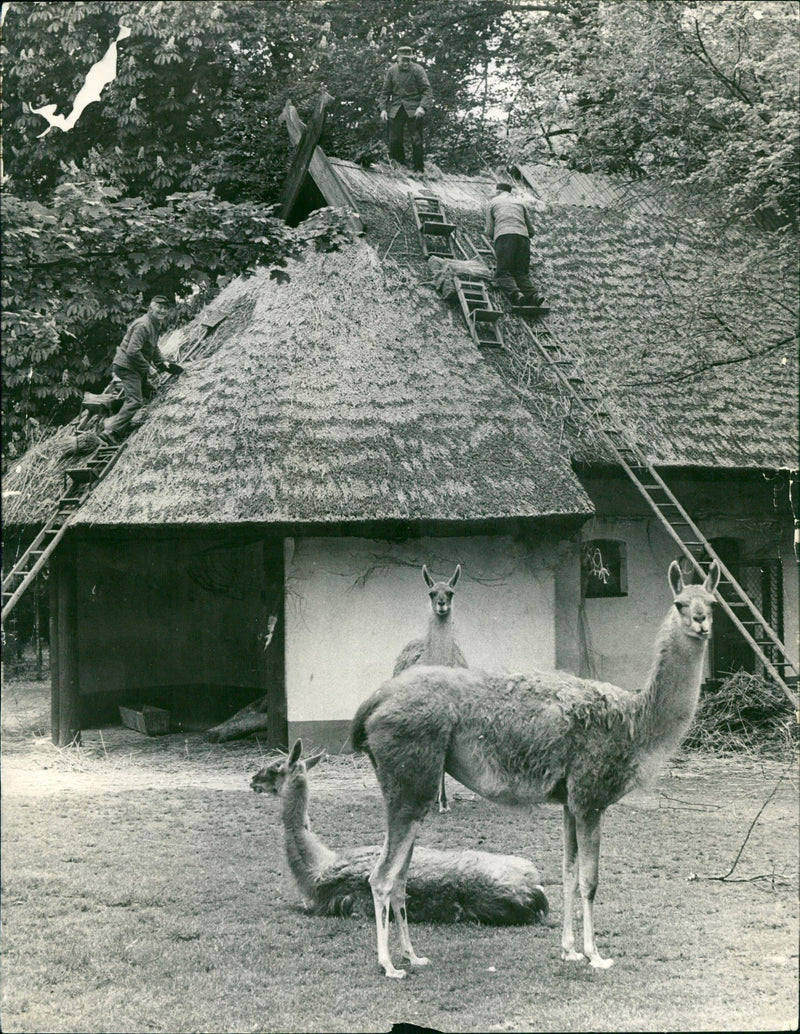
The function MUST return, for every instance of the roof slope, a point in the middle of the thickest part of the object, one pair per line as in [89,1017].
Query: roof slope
[347,393]
[687,333]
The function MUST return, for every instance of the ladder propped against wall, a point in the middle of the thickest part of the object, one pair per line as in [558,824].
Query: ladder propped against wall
[481,316]
[83,481]
[744,614]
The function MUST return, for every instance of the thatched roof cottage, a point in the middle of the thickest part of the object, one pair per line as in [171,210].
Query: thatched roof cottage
[343,429]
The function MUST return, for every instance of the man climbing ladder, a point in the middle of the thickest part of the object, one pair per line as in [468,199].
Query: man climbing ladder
[509,227]
[133,359]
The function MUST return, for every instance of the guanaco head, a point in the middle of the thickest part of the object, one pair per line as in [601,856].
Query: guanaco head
[693,602]
[441,593]
[273,778]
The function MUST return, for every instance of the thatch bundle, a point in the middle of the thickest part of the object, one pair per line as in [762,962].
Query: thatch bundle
[444,271]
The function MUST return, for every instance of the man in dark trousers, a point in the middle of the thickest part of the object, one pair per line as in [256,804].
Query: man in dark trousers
[509,227]
[136,355]
[405,98]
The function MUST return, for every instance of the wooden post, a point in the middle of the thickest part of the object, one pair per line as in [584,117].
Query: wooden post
[68,705]
[55,711]
[37,628]
[275,668]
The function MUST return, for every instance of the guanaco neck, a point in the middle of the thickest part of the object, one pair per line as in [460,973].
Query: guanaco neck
[439,643]
[669,700]
[306,853]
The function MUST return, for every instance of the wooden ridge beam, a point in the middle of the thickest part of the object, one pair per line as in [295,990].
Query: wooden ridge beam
[331,187]
[309,139]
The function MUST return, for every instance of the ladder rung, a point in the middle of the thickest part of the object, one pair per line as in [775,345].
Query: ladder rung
[486,315]
[437,229]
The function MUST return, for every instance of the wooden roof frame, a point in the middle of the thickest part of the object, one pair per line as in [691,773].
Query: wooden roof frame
[311,160]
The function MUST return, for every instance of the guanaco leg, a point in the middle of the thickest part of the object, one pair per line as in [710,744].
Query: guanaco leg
[393,866]
[398,898]
[569,878]
[588,831]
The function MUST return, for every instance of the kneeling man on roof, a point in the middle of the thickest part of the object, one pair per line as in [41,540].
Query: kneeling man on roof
[137,353]
[509,227]
[405,97]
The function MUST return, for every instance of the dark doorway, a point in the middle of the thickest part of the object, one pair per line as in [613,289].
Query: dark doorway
[761,580]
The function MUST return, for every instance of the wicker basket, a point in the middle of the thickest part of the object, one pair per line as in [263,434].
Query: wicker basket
[152,721]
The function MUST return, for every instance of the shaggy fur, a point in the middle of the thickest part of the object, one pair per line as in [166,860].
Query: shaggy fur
[521,739]
[447,886]
[438,646]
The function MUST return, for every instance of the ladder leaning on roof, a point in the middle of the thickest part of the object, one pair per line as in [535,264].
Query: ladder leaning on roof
[25,570]
[480,315]
[438,237]
[96,466]
[435,233]
[744,614]
[758,633]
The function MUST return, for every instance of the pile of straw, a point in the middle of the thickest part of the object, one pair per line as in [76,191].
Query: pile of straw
[744,713]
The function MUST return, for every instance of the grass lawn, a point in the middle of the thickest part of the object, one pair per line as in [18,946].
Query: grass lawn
[145,888]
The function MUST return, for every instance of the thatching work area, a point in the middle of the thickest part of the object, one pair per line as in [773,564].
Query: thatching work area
[342,429]
[685,327]
[339,397]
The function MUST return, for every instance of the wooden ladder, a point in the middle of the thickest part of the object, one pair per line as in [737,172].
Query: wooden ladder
[744,614]
[482,250]
[24,572]
[84,479]
[435,233]
[481,316]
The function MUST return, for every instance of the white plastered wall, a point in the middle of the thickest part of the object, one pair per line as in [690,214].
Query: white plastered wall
[353,603]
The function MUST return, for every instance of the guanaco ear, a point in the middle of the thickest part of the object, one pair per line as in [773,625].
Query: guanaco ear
[294,753]
[427,577]
[456,576]
[675,576]
[712,579]
[310,762]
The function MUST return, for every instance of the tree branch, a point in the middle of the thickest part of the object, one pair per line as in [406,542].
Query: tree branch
[695,371]
[732,86]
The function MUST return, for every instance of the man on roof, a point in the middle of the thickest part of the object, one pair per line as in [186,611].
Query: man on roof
[134,360]
[405,98]
[509,227]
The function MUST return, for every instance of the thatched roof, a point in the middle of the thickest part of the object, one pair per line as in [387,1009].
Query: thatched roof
[349,393]
[687,329]
[353,393]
